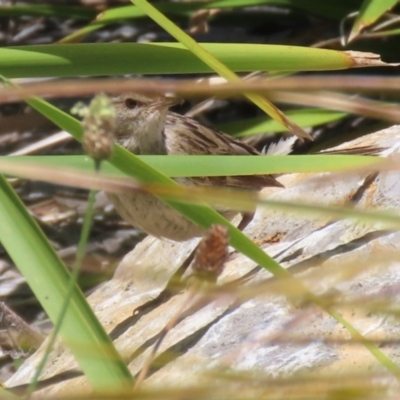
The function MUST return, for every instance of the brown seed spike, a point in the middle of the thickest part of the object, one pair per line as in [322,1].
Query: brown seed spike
[212,253]
[98,138]
[98,127]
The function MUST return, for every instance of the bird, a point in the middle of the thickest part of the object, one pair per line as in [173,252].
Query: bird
[144,125]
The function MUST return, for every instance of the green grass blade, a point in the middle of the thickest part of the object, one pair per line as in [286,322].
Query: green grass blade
[370,12]
[47,10]
[70,290]
[166,58]
[48,278]
[303,117]
[195,166]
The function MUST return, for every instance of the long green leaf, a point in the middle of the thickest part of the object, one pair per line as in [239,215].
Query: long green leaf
[195,166]
[166,58]
[48,278]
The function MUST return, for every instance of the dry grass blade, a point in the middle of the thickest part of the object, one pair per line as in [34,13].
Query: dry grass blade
[340,102]
[192,88]
[98,128]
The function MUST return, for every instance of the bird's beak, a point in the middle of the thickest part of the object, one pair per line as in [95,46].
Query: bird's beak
[173,101]
[167,102]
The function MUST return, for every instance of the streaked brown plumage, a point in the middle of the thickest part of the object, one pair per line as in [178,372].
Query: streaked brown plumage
[145,126]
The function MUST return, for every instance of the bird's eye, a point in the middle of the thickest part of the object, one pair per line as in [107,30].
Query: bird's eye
[131,103]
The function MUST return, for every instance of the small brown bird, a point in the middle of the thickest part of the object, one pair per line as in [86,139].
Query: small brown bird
[144,125]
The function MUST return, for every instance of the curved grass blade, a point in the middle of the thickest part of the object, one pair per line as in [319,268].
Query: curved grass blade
[370,11]
[48,278]
[69,291]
